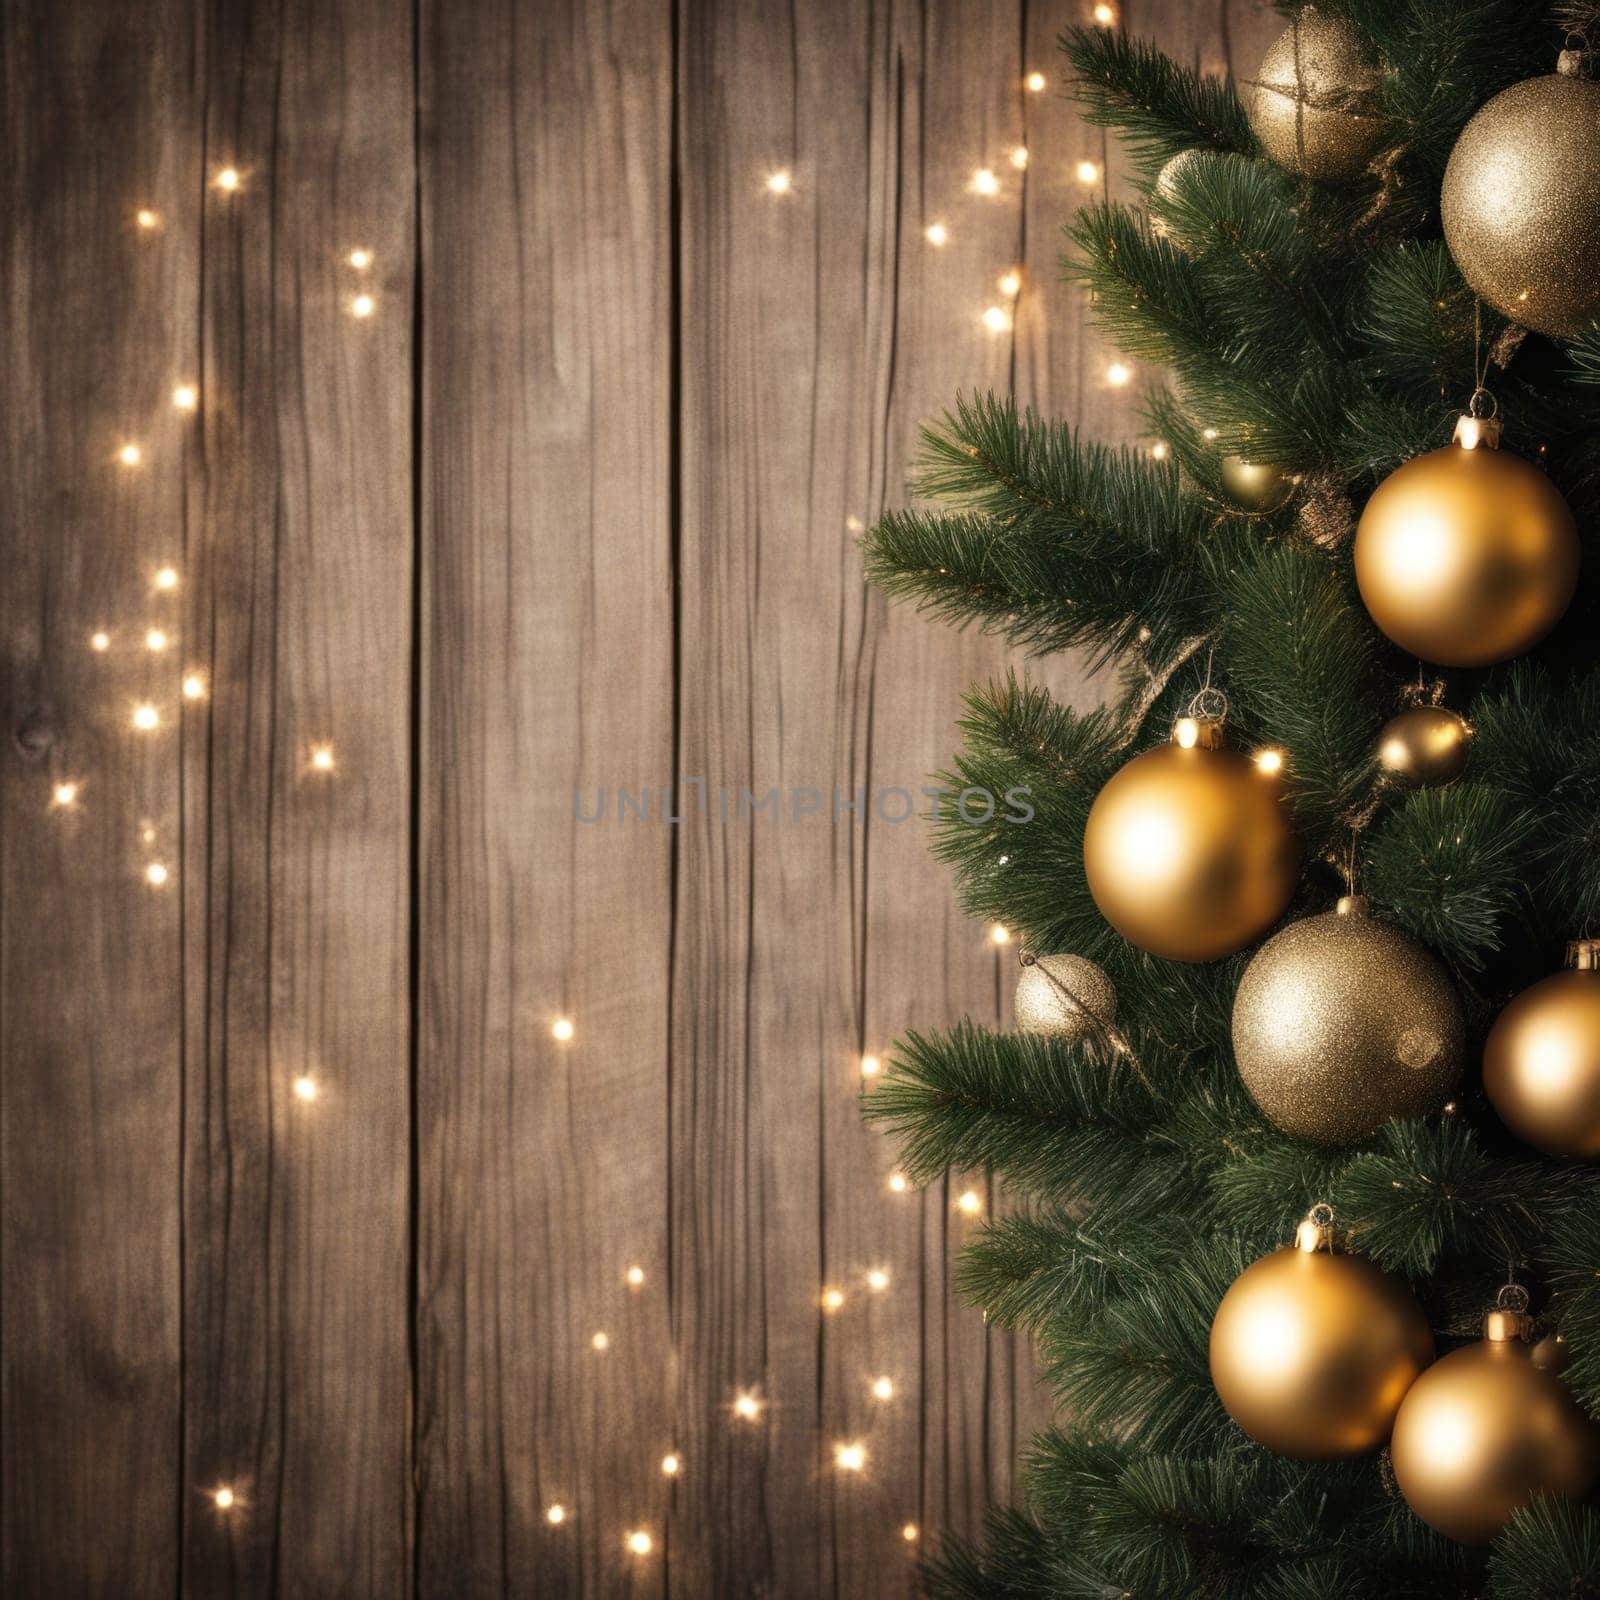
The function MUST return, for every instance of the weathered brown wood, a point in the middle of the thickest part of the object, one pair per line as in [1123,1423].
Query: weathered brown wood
[297,577]
[547,664]
[99,122]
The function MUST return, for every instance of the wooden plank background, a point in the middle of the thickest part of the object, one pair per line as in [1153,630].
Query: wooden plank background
[302,1196]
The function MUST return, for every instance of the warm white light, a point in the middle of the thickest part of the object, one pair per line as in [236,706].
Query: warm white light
[130,455]
[1087,172]
[146,717]
[780,182]
[186,397]
[1269,761]
[601,1341]
[1158,451]
[305,1087]
[1035,82]
[555,1515]
[1118,374]
[561,1029]
[361,259]
[64,794]
[194,687]
[1105,15]
[670,1465]
[970,1201]
[362,305]
[849,1457]
[155,640]
[909,1533]
[155,874]
[854,524]
[640,1542]
[634,1277]
[100,640]
[871,1066]
[223,1497]
[883,1388]
[832,1299]
[898,1183]
[1000,934]
[322,757]
[1208,433]
[747,1405]
[985,182]
[1019,157]
[148,220]
[996,320]
[227,180]
[877,1280]
[1011,283]
[167,578]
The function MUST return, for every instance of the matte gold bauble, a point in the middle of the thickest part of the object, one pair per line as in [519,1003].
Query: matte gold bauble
[1341,1023]
[1188,850]
[1425,745]
[1313,99]
[1485,1429]
[1541,1062]
[1521,202]
[1254,486]
[1312,1350]
[1466,556]
[1064,997]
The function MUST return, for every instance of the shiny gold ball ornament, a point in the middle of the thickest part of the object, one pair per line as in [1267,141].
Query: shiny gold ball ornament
[1188,849]
[1426,745]
[1313,1349]
[1341,1023]
[1314,101]
[1541,1062]
[1485,1429]
[1064,997]
[1521,201]
[1467,555]
[1255,486]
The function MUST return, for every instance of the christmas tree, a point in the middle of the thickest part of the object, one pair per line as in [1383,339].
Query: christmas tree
[1294,905]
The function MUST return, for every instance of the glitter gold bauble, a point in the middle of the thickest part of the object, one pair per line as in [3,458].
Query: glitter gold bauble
[1312,1349]
[1312,101]
[1425,745]
[1521,202]
[1064,997]
[1341,1022]
[1188,850]
[1541,1062]
[1254,486]
[1485,1429]
[1466,557]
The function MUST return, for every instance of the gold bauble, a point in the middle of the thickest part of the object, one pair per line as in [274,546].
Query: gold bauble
[1309,97]
[1341,1022]
[1312,1351]
[1521,203]
[1254,486]
[1042,1008]
[1485,1429]
[1541,1062]
[1466,557]
[1425,745]
[1188,850]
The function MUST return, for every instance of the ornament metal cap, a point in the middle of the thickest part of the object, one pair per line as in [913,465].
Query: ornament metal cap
[1509,1321]
[1353,905]
[1317,1232]
[1584,954]
[1198,733]
[1477,433]
[1575,63]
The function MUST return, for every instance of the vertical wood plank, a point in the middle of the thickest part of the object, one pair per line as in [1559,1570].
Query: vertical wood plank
[547,670]
[295,884]
[100,121]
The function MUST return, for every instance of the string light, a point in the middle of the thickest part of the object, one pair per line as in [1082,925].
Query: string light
[561,1029]
[670,1465]
[194,687]
[634,1277]
[1118,373]
[640,1542]
[167,578]
[130,455]
[1269,761]
[227,180]
[1208,433]
[155,874]
[1158,451]
[1035,82]
[186,397]
[909,1533]
[937,234]
[1019,157]
[361,259]
[871,1066]
[601,1341]
[898,1183]
[832,1299]
[996,320]
[305,1088]
[877,1280]
[883,1388]
[146,717]
[985,182]
[1000,934]
[849,1457]
[64,794]
[100,640]
[780,182]
[155,640]
[148,220]
[854,524]
[747,1406]
[970,1202]
[555,1515]
[1105,15]
[362,305]
[1011,283]
[322,757]
[223,1498]
[1088,172]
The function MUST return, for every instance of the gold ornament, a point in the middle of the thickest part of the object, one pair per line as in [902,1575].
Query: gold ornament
[1188,850]
[1341,1023]
[1064,997]
[1521,201]
[1426,745]
[1541,1062]
[1312,1350]
[1467,555]
[1486,1428]
[1314,98]
[1254,486]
